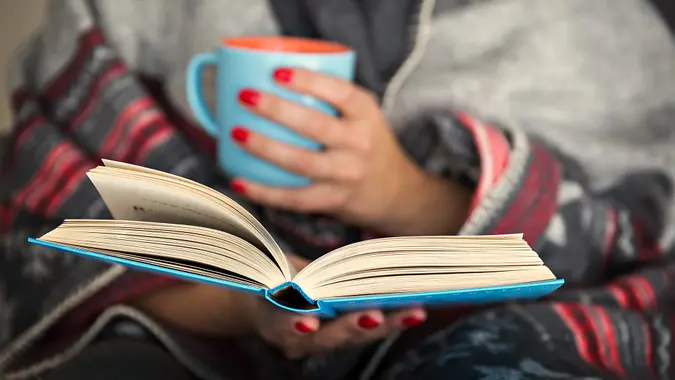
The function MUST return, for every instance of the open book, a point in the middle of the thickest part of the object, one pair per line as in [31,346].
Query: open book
[168,224]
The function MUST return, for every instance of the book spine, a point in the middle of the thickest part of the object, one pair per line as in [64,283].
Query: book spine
[290,296]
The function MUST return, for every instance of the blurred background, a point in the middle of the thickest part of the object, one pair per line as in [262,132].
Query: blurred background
[18,18]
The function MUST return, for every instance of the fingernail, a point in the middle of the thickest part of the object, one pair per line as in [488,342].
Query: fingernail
[367,322]
[303,328]
[249,97]
[283,75]
[238,187]
[240,134]
[412,321]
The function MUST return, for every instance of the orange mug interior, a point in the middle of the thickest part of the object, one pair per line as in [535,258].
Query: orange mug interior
[285,44]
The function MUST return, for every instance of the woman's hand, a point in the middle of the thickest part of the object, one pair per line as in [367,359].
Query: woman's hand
[300,335]
[214,311]
[363,176]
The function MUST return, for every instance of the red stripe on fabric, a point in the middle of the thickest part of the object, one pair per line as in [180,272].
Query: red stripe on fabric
[494,152]
[631,297]
[74,178]
[619,294]
[642,291]
[612,343]
[611,228]
[86,45]
[104,79]
[67,157]
[635,290]
[26,130]
[564,311]
[6,217]
[157,138]
[41,174]
[57,178]
[535,202]
[137,143]
[112,141]
[592,333]
[138,133]
[595,333]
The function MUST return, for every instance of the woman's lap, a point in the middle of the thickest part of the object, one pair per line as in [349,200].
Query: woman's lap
[510,343]
[121,359]
[516,342]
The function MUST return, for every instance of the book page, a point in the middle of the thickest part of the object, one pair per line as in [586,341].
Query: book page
[401,284]
[421,264]
[185,247]
[135,193]
[130,199]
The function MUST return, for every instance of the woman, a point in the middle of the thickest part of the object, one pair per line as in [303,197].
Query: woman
[105,79]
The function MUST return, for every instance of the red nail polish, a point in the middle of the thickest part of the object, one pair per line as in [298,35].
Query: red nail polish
[303,328]
[249,97]
[238,187]
[412,321]
[367,322]
[240,134]
[283,75]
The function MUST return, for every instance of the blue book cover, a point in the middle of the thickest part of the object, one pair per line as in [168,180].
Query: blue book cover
[333,306]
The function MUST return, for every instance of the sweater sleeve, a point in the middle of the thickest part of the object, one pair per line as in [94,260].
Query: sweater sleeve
[524,185]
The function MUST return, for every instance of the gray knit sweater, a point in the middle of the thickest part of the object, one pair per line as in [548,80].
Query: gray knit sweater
[596,77]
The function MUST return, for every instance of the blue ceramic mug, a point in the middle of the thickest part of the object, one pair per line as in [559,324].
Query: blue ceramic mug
[249,62]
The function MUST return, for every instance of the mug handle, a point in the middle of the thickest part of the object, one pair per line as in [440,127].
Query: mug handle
[195,95]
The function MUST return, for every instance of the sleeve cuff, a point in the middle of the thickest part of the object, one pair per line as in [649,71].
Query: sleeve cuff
[493,151]
[515,179]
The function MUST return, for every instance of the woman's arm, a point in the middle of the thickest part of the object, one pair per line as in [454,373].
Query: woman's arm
[201,309]
[428,205]
[527,186]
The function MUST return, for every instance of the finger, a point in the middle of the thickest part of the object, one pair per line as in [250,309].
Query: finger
[311,123]
[319,197]
[305,162]
[349,329]
[304,324]
[348,98]
[403,319]
[288,324]
[289,333]
[285,329]
[333,165]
